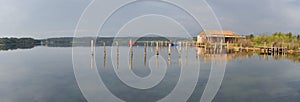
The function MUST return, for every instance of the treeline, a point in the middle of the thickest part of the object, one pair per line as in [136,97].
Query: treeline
[18,41]
[276,39]
[100,41]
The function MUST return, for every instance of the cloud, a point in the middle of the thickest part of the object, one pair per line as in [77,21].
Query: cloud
[39,18]
[258,15]
[12,14]
[50,18]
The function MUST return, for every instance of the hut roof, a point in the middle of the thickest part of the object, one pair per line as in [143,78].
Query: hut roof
[218,32]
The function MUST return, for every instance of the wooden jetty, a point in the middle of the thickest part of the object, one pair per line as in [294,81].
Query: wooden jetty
[272,50]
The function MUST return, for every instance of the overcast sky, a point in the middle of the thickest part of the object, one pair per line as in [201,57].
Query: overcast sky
[57,18]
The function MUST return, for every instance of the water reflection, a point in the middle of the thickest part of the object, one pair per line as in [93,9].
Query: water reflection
[15,47]
[268,78]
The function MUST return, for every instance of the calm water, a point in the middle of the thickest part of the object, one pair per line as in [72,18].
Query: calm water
[44,74]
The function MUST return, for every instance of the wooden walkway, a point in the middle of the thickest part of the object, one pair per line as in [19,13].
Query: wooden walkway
[272,50]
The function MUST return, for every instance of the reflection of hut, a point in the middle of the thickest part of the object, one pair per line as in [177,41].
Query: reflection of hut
[217,36]
[221,56]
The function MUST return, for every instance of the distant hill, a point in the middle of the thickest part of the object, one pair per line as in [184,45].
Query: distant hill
[85,41]
[19,43]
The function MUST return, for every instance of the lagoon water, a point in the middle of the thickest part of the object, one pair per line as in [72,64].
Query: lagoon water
[46,74]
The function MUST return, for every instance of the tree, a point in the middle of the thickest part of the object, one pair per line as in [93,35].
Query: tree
[289,34]
[298,37]
[251,36]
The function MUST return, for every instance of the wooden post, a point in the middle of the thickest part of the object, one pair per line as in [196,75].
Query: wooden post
[130,43]
[117,45]
[180,53]
[92,47]
[169,50]
[147,43]
[241,47]
[151,44]
[180,49]
[265,47]
[186,55]
[104,48]
[157,52]
[227,45]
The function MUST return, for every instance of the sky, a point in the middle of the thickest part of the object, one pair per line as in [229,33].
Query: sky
[58,18]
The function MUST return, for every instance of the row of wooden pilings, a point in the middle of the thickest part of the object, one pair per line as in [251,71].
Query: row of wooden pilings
[210,48]
[272,50]
[213,49]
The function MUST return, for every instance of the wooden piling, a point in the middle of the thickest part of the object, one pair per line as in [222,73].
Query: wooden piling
[169,50]
[104,48]
[265,47]
[157,52]
[92,47]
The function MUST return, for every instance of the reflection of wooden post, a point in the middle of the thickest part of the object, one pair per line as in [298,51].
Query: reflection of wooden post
[241,47]
[131,54]
[227,46]
[180,52]
[186,54]
[130,62]
[205,48]
[221,46]
[169,59]
[215,48]
[93,53]
[104,51]
[145,54]
[117,45]
[156,62]
[157,52]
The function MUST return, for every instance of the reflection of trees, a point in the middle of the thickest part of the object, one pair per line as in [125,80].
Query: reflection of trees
[14,47]
[292,57]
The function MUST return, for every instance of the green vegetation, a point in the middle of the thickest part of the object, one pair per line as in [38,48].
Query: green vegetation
[277,39]
[17,43]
